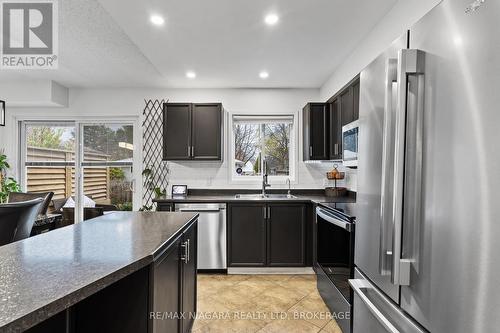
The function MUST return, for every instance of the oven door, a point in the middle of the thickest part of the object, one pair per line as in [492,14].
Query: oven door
[350,144]
[335,264]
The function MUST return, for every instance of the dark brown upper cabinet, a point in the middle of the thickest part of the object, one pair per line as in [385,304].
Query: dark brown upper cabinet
[343,108]
[347,106]
[355,97]
[177,131]
[316,131]
[335,131]
[349,102]
[192,131]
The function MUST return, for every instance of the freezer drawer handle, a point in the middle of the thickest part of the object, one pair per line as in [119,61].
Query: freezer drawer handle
[357,285]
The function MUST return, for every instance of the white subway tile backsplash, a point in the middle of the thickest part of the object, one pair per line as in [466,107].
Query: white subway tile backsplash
[216,175]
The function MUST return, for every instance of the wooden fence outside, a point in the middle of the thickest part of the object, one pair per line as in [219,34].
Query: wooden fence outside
[61,180]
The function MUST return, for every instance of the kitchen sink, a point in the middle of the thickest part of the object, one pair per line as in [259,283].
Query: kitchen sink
[280,196]
[267,196]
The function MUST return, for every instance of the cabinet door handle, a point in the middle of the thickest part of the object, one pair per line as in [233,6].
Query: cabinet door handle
[184,256]
[336,149]
[310,151]
[189,151]
[188,256]
[192,151]
[269,213]
[265,212]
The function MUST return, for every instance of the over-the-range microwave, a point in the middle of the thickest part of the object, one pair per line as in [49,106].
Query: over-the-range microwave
[350,144]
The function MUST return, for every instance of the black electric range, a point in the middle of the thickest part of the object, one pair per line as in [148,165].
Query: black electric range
[334,257]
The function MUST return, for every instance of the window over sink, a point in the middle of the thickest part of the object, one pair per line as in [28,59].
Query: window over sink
[256,139]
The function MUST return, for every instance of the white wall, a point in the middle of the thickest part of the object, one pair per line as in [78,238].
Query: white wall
[401,17]
[109,103]
[95,103]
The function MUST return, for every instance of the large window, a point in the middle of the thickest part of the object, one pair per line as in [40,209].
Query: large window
[56,153]
[262,138]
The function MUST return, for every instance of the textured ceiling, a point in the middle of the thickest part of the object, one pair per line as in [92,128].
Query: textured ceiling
[111,43]
[93,51]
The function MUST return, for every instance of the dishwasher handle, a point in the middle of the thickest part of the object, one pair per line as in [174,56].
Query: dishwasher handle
[197,210]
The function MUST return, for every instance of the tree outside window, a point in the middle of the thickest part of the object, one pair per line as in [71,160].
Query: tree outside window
[262,138]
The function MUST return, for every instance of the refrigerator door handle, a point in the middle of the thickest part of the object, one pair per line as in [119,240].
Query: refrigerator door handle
[358,285]
[410,63]
[385,248]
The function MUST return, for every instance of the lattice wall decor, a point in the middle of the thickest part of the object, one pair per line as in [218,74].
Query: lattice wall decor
[152,133]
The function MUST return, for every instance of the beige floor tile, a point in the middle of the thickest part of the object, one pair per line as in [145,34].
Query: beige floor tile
[271,277]
[276,301]
[211,304]
[284,293]
[304,277]
[210,287]
[254,288]
[229,326]
[237,277]
[198,324]
[233,298]
[312,310]
[289,326]
[263,303]
[331,327]
[300,285]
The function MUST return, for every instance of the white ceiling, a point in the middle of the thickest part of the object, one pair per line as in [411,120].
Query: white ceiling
[111,43]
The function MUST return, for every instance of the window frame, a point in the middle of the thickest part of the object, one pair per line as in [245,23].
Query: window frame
[273,179]
[79,122]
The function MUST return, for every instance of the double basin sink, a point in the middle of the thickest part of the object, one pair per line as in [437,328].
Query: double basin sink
[264,196]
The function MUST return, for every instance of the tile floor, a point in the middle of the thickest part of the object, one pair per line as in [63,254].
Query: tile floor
[261,303]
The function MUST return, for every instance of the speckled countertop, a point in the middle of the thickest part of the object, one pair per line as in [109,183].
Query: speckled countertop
[232,198]
[43,275]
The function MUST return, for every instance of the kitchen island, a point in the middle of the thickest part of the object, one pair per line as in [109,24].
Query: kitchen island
[103,275]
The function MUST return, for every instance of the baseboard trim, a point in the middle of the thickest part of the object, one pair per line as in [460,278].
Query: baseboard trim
[270,270]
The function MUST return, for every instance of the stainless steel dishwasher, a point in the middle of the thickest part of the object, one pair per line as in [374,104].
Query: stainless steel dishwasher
[211,233]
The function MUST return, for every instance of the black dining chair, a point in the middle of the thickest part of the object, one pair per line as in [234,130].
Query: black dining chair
[26,196]
[17,219]
[88,213]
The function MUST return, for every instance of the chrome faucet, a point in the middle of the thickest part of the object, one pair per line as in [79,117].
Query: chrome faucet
[264,179]
[289,193]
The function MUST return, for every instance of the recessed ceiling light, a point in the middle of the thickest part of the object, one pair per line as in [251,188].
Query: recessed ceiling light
[157,20]
[190,75]
[263,75]
[271,19]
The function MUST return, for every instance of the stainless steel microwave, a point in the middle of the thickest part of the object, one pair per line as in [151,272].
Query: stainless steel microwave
[350,144]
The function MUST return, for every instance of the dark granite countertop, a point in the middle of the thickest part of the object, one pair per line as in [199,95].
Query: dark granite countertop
[308,196]
[43,275]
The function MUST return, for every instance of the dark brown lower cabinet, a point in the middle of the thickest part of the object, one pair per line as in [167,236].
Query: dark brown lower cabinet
[247,235]
[189,280]
[166,290]
[159,298]
[286,235]
[173,291]
[263,235]
[165,207]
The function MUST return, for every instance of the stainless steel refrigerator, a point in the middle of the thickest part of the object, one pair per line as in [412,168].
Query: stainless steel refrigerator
[427,249]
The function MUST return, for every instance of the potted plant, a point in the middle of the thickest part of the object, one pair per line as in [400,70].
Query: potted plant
[7,184]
